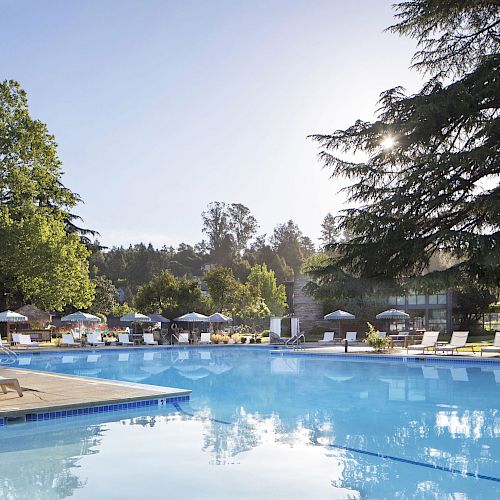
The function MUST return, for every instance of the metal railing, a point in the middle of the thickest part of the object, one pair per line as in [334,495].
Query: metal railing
[11,355]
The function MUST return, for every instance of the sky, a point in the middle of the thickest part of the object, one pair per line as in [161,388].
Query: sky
[160,107]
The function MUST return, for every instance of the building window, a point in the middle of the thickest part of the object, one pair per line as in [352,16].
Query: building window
[437,319]
[438,298]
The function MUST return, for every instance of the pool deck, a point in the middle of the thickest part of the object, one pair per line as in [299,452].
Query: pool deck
[45,391]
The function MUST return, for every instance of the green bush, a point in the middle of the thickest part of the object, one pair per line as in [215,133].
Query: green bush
[252,341]
[374,340]
[265,333]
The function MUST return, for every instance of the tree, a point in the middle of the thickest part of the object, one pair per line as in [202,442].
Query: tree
[222,287]
[273,295]
[42,264]
[430,182]
[216,224]
[329,231]
[243,225]
[289,242]
[229,228]
[106,294]
[261,253]
[42,259]
[159,294]
[170,296]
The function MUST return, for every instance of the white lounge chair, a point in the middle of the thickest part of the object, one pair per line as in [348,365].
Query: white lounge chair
[123,339]
[205,338]
[351,337]
[493,348]
[24,340]
[149,339]
[69,341]
[183,338]
[13,383]
[458,340]
[94,339]
[428,341]
[328,338]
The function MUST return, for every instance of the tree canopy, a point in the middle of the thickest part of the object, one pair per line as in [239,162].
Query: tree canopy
[430,180]
[42,258]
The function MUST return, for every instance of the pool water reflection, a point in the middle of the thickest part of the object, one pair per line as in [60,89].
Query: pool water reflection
[262,424]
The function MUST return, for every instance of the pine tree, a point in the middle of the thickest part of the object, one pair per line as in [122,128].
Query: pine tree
[430,183]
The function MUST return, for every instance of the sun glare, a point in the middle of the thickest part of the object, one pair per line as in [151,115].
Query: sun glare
[388,143]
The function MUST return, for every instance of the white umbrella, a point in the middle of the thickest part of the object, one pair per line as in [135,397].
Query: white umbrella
[12,317]
[219,318]
[339,316]
[80,318]
[392,314]
[135,318]
[192,317]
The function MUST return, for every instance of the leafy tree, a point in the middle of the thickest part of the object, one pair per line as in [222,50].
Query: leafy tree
[159,294]
[273,295]
[106,294]
[222,287]
[243,225]
[289,242]
[186,261]
[262,253]
[229,228]
[216,224]
[41,263]
[430,182]
[41,257]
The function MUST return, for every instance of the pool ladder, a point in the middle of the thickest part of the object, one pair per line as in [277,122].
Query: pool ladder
[294,342]
[11,355]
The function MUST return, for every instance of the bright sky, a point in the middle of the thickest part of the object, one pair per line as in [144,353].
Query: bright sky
[160,107]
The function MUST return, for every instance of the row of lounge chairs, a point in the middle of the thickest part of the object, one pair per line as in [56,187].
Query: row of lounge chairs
[95,340]
[430,341]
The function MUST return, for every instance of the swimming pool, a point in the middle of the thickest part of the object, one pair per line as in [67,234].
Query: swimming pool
[263,424]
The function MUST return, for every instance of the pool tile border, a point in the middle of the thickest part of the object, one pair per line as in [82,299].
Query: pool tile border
[92,410]
[393,358]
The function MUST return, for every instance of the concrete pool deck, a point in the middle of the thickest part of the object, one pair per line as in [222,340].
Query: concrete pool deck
[51,392]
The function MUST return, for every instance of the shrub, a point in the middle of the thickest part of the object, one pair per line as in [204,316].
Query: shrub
[252,341]
[265,333]
[243,340]
[374,340]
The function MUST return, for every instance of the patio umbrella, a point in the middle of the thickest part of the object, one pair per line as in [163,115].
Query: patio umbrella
[81,318]
[339,316]
[392,314]
[218,318]
[192,317]
[12,317]
[135,318]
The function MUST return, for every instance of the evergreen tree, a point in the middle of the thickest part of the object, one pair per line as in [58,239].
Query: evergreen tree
[430,183]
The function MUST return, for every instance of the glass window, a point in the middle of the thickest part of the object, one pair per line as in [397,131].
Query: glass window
[393,300]
[412,299]
[433,299]
[437,319]
[441,298]
[420,299]
[400,301]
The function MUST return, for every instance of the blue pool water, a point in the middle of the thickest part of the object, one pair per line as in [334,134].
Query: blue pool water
[262,424]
